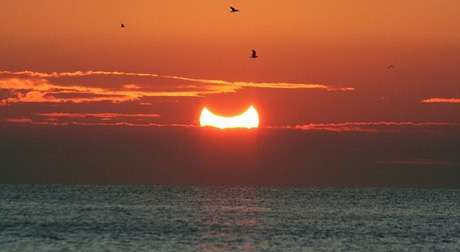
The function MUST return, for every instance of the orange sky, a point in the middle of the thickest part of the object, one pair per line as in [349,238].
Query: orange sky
[334,44]
[84,101]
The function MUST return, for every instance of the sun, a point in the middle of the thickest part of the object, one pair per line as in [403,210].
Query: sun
[249,119]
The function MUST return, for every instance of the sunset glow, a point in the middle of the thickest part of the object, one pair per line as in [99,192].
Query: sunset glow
[247,93]
[248,119]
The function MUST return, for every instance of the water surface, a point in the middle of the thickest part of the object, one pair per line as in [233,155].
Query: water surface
[157,218]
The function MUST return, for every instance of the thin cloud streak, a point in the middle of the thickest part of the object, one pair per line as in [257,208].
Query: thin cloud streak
[241,84]
[30,121]
[91,119]
[98,115]
[40,87]
[442,100]
[271,85]
[368,127]
[76,74]
[42,91]
[55,119]
[20,120]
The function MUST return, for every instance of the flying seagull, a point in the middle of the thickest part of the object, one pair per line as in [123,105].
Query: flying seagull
[254,54]
[233,9]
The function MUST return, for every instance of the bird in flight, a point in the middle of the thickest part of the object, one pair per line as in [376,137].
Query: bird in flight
[254,54]
[233,9]
[122,25]
[390,67]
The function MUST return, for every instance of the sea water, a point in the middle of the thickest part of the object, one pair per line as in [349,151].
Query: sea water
[168,218]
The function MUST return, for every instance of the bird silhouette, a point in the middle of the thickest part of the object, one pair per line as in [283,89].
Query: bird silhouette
[233,9]
[122,25]
[254,54]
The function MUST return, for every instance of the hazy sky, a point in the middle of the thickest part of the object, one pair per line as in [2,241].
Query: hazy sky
[322,66]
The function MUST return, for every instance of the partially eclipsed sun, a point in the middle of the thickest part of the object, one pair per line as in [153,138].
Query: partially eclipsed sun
[248,119]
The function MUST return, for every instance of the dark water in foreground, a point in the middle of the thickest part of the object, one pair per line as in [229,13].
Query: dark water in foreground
[143,218]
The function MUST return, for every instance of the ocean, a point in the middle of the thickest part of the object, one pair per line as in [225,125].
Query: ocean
[168,218]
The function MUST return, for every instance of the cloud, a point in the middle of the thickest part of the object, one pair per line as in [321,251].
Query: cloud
[75,74]
[131,86]
[270,85]
[370,127]
[103,116]
[442,100]
[42,91]
[94,119]
[145,120]
[277,85]
[19,120]
[119,124]
[29,86]
[116,119]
